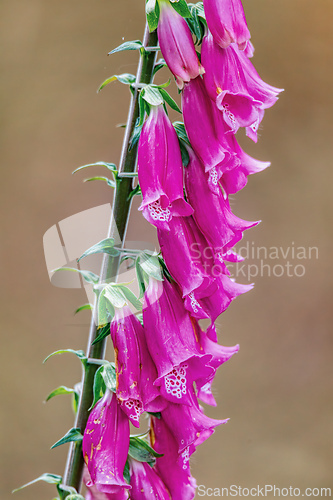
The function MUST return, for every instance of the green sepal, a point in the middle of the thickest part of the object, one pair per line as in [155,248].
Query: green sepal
[141,451]
[75,496]
[84,307]
[114,295]
[197,21]
[181,7]
[65,390]
[103,246]
[88,276]
[47,478]
[126,78]
[168,99]
[98,387]
[133,45]
[131,297]
[140,278]
[152,95]
[156,414]
[183,141]
[150,264]
[103,332]
[109,182]
[126,474]
[153,14]
[110,166]
[109,376]
[72,435]
[80,354]
[63,488]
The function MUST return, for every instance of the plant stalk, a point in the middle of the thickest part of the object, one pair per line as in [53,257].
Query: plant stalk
[118,226]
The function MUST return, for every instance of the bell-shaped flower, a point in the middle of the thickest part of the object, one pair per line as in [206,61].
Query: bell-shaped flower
[172,467]
[188,424]
[135,369]
[105,445]
[212,212]
[160,170]
[171,342]
[177,45]
[234,85]
[146,483]
[93,493]
[202,127]
[226,20]
[220,354]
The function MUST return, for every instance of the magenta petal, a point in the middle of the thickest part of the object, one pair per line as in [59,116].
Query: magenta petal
[177,46]
[200,115]
[226,20]
[135,369]
[172,467]
[93,493]
[105,445]
[146,483]
[160,170]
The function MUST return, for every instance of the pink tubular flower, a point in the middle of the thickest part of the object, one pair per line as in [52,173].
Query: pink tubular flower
[93,493]
[172,467]
[188,424]
[172,343]
[202,127]
[146,483]
[233,83]
[105,445]
[212,213]
[135,369]
[176,45]
[160,170]
[226,20]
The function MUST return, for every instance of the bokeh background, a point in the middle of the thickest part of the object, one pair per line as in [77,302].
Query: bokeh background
[278,389]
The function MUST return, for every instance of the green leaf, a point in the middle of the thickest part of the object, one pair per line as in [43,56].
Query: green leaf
[84,307]
[140,278]
[181,132]
[130,297]
[88,276]
[109,376]
[135,192]
[47,478]
[59,391]
[181,7]
[80,354]
[109,182]
[156,414]
[110,166]
[153,14]
[127,475]
[125,78]
[114,296]
[141,451]
[152,95]
[103,246]
[98,387]
[75,496]
[159,65]
[151,266]
[133,45]
[72,435]
[197,23]
[168,99]
[103,332]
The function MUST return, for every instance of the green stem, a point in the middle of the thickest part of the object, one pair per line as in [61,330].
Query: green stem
[118,226]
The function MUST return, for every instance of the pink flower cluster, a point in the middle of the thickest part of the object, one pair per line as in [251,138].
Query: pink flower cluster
[166,366]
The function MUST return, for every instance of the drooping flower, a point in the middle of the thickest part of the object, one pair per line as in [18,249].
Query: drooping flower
[201,126]
[146,483]
[171,342]
[105,445]
[93,493]
[212,212]
[188,424]
[160,170]
[226,20]
[176,45]
[135,370]
[172,467]
[233,83]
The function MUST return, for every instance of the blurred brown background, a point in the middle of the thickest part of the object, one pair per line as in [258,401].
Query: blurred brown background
[278,389]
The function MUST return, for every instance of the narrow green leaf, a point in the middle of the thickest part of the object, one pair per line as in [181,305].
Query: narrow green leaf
[109,182]
[88,276]
[135,192]
[109,376]
[168,99]
[153,13]
[133,45]
[131,297]
[110,166]
[73,434]
[47,478]
[98,387]
[181,7]
[125,78]
[152,95]
[159,65]
[140,278]
[59,391]
[141,451]
[84,307]
[103,246]
[181,132]
[64,488]
[103,332]
[80,354]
